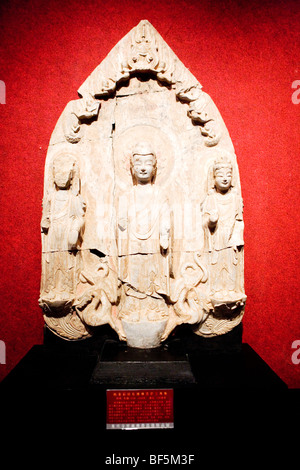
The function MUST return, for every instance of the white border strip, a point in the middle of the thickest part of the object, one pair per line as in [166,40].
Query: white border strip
[140,426]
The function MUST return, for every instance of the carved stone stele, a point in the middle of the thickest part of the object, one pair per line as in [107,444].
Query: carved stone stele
[142,225]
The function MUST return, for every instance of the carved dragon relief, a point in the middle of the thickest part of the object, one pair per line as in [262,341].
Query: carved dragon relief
[82,111]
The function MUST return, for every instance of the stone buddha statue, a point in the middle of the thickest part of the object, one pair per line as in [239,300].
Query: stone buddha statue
[143,242]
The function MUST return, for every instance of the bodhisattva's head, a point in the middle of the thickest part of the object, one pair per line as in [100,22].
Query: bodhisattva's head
[143,164]
[63,171]
[223,176]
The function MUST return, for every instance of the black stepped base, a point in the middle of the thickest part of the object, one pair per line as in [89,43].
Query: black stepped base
[102,361]
[121,366]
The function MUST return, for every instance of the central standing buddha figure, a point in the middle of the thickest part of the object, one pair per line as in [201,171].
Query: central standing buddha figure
[143,242]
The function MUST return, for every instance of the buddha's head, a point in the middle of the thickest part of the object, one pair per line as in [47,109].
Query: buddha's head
[143,163]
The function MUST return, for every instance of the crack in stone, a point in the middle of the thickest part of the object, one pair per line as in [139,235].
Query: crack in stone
[138,253]
[112,133]
[101,254]
[135,93]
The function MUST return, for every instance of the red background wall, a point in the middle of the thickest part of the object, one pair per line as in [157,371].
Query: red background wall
[246,56]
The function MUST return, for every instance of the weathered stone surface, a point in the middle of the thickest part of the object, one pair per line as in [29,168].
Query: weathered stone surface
[147,231]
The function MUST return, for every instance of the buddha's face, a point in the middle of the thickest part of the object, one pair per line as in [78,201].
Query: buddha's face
[143,168]
[63,174]
[223,179]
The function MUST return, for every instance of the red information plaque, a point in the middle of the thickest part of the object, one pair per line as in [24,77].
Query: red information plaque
[139,409]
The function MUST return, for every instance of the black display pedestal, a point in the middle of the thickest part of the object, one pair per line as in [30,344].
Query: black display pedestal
[120,366]
[184,360]
[218,385]
[222,391]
